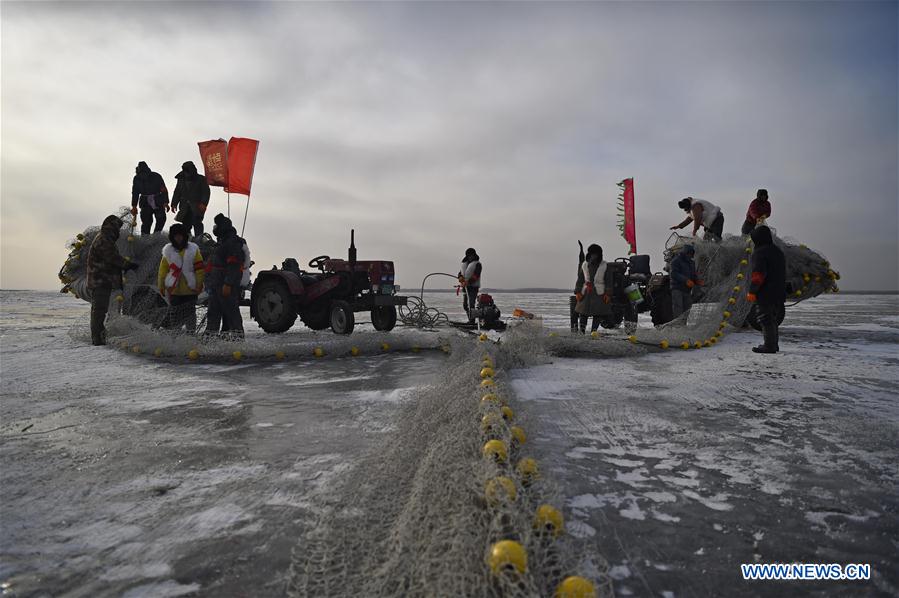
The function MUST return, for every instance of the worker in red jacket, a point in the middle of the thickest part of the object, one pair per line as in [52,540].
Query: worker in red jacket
[759,211]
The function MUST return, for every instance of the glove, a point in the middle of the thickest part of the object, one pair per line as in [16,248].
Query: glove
[606,299]
[199,288]
[751,297]
[134,210]
[588,287]
[690,284]
[461,280]
[579,297]
[131,266]
[226,290]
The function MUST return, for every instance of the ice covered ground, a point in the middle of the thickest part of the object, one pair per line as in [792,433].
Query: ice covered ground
[125,476]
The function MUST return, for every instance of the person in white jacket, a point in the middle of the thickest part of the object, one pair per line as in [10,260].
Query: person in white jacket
[470,279]
[702,213]
[592,298]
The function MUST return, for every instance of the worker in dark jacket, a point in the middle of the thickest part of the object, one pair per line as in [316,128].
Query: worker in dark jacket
[470,279]
[759,211]
[104,273]
[768,288]
[223,274]
[684,278]
[593,291]
[190,198]
[148,192]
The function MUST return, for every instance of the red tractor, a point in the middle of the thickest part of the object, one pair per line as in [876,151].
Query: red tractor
[329,297]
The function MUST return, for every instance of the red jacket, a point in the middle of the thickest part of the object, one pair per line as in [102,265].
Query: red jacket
[759,208]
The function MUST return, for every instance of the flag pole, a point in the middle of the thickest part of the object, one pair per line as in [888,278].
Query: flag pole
[229,205]
[247,209]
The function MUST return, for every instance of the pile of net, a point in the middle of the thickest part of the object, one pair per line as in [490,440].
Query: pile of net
[451,504]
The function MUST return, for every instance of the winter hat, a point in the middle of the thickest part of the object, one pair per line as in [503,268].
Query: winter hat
[178,229]
[594,249]
[761,236]
[142,168]
[189,167]
[222,225]
[689,250]
[762,194]
[685,204]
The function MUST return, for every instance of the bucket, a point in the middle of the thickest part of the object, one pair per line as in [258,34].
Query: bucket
[633,294]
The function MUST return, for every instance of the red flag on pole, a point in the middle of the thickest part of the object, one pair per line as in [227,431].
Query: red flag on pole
[241,163]
[626,218]
[214,154]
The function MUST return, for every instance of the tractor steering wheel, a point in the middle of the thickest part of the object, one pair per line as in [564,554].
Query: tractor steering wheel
[319,262]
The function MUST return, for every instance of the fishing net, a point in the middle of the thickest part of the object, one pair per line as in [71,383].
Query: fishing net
[420,515]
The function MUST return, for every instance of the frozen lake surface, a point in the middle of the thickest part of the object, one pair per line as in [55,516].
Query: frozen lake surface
[128,477]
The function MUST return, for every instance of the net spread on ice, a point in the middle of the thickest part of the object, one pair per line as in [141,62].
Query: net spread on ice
[451,504]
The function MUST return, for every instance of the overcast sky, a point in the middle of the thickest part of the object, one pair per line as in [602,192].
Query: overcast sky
[431,127]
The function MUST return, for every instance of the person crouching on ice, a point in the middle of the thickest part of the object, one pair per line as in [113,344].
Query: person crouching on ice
[592,298]
[104,273]
[470,279]
[180,279]
[759,211]
[224,271]
[768,288]
[683,278]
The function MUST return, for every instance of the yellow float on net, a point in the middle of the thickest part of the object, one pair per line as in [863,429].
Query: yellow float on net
[385,347]
[737,289]
[237,356]
[490,398]
[744,262]
[547,518]
[594,334]
[279,355]
[507,555]
[354,351]
[714,339]
[664,344]
[487,383]
[740,276]
[131,238]
[553,334]
[135,349]
[732,301]
[518,435]
[483,337]
[726,314]
[575,587]
[500,490]
[707,343]
[193,354]
[685,345]
[487,362]
[120,298]
[496,450]
[318,352]
[507,412]
[527,470]
[749,250]
[698,345]
[489,421]
[806,278]
[157,352]
[798,293]
[487,372]
[632,339]
[415,348]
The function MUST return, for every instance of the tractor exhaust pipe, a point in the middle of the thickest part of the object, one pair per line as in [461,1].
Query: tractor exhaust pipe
[352,259]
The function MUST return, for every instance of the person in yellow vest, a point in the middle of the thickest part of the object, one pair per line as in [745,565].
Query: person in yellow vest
[180,279]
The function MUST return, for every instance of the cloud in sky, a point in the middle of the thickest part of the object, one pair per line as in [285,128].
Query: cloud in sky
[434,127]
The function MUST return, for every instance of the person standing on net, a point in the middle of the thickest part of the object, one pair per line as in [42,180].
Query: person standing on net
[148,193]
[180,279]
[702,213]
[684,278]
[224,271]
[768,287]
[190,198]
[470,279]
[104,273]
[759,211]
[592,298]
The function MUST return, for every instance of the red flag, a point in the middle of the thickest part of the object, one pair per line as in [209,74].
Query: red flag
[241,163]
[214,154]
[626,218]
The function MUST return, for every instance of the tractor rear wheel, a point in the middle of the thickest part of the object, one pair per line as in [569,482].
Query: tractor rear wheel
[342,318]
[273,306]
[383,317]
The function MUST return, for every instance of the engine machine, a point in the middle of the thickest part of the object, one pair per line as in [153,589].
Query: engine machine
[330,297]
[488,313]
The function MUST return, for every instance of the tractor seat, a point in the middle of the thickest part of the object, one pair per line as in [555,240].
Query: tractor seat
[639,277]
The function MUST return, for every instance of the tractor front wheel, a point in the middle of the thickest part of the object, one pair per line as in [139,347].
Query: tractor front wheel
[273,306]
[342,318]
[383,318]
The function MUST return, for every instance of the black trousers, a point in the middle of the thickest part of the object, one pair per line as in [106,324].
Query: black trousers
[182,313]
[192,220]
[748,227]
[147,214]
[99,309]
[769,316]
[470,301]
[714,232]
[223,314]
[582,322]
